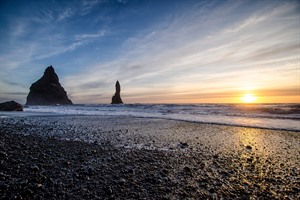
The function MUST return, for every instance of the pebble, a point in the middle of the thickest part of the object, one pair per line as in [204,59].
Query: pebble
[248,147]
[183,145]
[187,170]
[35,168]
[122,181]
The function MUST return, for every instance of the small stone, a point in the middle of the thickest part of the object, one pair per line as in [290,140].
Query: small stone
[109,190]
[3,154]
[67,162]
[122,180]
[211,190]
[183,145]
[248,147]
[88,170]
[187,169]
[216,156]
[28,192]
[165,171]
[35,168]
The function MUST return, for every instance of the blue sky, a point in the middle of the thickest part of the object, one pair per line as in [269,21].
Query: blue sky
[161,51]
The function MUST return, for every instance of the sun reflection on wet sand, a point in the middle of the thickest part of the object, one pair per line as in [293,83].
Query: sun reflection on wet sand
[265,156]
[252,140]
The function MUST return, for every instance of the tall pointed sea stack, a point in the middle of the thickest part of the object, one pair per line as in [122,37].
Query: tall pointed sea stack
[47,90]
[116,99]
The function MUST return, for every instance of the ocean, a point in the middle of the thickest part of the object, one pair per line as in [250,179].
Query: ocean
[271,116]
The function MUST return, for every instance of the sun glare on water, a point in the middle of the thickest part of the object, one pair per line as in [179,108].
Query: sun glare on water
[248,98]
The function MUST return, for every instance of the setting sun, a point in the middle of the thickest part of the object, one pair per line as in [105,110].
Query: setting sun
[248,98]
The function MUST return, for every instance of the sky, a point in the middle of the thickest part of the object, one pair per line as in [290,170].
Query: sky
[161,51]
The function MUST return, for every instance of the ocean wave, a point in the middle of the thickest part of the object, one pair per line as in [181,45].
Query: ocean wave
[274,116]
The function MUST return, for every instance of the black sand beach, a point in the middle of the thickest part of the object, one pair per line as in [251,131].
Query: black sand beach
[105,157]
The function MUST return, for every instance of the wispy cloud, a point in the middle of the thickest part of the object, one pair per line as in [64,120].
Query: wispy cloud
[88,5]
[65,14]
[183,53]
[99,34]
[43,16]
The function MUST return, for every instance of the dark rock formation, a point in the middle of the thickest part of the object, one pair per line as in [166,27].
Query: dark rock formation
[47,90]
[116,99]
[10,106]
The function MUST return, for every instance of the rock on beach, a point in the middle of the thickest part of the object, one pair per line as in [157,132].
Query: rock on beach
[10,106]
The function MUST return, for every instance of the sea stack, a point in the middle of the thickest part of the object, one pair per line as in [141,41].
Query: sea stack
[116,99]
[47,90]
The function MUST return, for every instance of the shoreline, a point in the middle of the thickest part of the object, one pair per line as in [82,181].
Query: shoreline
[145,158]
[17,114]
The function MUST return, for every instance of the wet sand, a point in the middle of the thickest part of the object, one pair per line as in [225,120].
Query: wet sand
[105,157]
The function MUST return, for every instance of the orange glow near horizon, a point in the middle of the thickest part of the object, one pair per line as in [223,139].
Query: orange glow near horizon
[249,98]
[235,97]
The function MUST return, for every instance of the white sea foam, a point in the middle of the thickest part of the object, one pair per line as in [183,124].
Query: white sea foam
[273,116]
